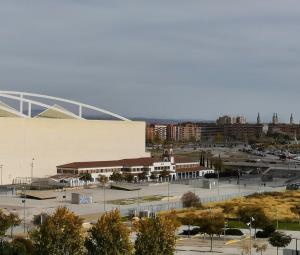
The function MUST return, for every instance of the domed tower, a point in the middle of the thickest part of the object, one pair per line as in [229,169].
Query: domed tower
[291,119]
[168,155]
[258,119]
[274,119]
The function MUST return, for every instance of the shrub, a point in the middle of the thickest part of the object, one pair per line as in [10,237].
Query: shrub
[192,232]
[264,194]
[261,234]
[266,233]
[269,229]
[233,232]
[189,199]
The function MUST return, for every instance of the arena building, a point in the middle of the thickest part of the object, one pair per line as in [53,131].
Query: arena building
[33,143]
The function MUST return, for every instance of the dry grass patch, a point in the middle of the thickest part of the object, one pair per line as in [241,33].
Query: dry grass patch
[273,203]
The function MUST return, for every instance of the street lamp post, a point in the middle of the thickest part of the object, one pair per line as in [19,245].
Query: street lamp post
[24,207]
[218,185]
[277,223]
[32,165]
[168,194]
[104,198]
[296,239]
[250,239]
[65,195]
[238,180]
[138,201]
[225,226]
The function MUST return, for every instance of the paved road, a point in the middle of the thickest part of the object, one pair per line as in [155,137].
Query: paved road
[199,245]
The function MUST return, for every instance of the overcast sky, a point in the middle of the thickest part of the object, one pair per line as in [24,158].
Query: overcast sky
[166,59]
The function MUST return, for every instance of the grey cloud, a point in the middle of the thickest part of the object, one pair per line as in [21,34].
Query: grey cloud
[193,59]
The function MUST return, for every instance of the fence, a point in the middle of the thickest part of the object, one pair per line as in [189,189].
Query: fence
[290,252]
[5,191]
[156,208]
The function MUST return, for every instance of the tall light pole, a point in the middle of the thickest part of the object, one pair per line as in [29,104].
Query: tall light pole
[1,168]
[277,223]
[296,239]
[138,201]
[32,165]
[168,193]
[104,198]
[65,195]
[24,212]
[238,181]
[250,228]
[225,226]
[218,185]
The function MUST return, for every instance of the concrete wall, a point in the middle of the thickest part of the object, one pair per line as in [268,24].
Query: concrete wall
[53,142]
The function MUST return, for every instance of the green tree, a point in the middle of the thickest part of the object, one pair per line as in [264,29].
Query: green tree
[7,249]
[22,246]
[109,236]
[14,221]
[279,240]
[156,236]
[153,177]
[296,210]
[201,158]
[260,219]
[116,177]
[61,234]
[142,176]
[39,219]
[129,177]
[103,179]
[5,223]
[189,219]
[86,177]
[164,174]
[218,164]
[211,224]
[19,246]
[190,199]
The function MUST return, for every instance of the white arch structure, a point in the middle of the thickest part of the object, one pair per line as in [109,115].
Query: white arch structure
[32,99]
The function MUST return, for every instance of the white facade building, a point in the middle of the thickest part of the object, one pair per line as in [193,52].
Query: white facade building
[177,168]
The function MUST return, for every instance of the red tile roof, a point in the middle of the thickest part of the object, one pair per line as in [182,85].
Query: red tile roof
[147,161]
[112,163]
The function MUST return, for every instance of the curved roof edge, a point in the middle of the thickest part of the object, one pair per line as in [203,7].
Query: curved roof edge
[34,99]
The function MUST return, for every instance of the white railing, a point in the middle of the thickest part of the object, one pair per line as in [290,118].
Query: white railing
[33,99]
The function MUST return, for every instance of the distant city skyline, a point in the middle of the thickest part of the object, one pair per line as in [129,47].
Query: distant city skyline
[154,59]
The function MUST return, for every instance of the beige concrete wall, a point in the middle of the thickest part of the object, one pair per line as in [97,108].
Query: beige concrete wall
[53,142]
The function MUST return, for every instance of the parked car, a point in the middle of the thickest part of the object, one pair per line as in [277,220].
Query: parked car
[293,186]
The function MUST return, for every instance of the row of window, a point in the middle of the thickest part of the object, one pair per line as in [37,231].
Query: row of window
[187,166]
[92,171]
[162,168]
[132,170]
